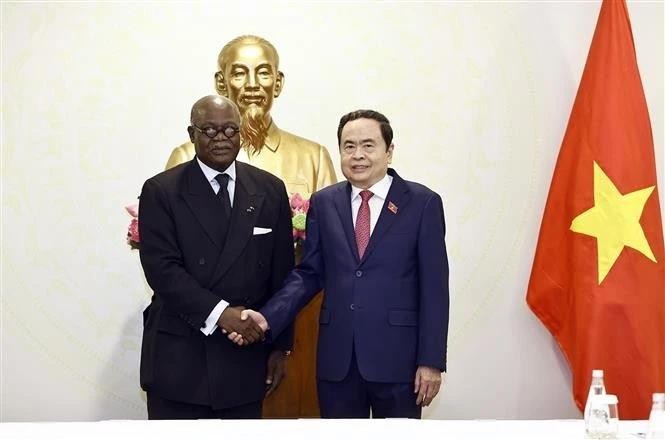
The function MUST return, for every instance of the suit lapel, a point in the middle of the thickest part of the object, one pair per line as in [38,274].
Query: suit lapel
[201,199]
[343,206]
[247,202]
[399,196]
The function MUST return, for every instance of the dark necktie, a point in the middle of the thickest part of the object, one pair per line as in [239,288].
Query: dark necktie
[223,193]
[362,222]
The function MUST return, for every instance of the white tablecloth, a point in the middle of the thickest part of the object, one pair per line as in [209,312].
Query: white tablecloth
[313,429]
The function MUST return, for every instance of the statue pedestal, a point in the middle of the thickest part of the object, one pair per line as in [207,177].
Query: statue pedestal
[296,397]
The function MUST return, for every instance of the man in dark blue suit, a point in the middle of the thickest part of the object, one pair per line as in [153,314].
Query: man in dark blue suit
[376,245]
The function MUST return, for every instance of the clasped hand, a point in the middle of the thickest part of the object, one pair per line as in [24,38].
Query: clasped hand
[248,316]
[233,323]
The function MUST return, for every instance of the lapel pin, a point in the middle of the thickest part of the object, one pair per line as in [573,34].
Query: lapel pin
[250,209]
[392,207]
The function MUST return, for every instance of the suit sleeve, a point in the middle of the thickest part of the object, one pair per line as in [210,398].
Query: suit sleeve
[302,284]
[433,276]
[283,261]
[162,260]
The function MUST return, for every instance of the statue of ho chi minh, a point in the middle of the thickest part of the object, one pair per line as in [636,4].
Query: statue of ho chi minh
[249,75]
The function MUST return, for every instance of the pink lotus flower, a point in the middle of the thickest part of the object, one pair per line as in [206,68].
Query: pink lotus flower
[133,210]
[299,208]
[133,237]
[299,204]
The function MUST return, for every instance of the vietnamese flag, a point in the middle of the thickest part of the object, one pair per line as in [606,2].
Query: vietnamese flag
[598,277]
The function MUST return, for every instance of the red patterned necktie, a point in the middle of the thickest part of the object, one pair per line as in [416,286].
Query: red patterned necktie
[362,222]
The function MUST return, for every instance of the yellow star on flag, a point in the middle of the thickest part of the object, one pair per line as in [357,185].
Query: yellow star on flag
[614,220]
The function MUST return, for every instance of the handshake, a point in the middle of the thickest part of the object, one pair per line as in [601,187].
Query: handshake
[243,326]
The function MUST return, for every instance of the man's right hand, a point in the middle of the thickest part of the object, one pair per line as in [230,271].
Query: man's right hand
[231,322]
[257,318]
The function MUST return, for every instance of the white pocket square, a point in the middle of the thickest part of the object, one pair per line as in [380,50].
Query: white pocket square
[261,231]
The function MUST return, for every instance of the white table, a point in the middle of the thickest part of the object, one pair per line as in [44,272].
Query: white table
[312,429]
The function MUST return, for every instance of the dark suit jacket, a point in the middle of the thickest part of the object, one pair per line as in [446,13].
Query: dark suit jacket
[189,271]
[393,304]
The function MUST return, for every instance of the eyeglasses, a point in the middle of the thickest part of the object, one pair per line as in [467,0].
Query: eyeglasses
[228,131]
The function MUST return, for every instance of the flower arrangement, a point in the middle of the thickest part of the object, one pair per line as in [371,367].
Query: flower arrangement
[133,237]
[299,208]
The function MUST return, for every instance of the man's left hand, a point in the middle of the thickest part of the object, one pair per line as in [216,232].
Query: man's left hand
[276,370]
[428,382]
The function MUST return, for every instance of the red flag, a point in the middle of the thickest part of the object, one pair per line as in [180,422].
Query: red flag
[598,277]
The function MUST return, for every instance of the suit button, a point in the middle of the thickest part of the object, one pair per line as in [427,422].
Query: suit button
[202,261]
[352,306]
[359,273]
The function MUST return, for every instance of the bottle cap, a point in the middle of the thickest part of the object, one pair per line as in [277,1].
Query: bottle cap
[658,397]
[597,373]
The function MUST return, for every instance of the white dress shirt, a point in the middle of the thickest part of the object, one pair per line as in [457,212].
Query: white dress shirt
[211,322]
[380,190]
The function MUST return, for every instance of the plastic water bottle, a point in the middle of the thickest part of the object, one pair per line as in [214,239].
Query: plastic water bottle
[603,417]
[597,387]
[657,417]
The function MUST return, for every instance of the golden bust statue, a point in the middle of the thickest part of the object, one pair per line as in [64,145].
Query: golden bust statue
[249,75]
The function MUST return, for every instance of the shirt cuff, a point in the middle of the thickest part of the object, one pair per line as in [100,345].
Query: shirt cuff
[211,323]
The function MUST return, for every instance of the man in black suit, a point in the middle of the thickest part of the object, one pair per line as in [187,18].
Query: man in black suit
[215,239]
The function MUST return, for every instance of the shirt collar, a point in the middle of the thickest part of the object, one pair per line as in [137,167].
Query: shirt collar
[211,173]
[379,189]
